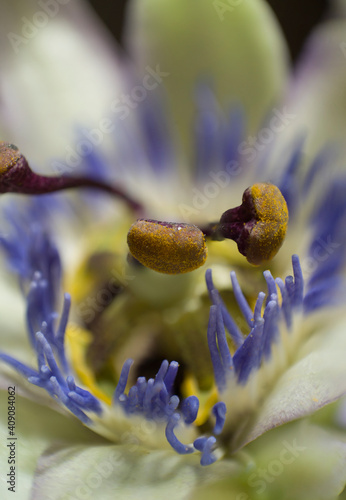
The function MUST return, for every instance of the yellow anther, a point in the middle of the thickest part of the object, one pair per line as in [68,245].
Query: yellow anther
[9,156]
[167,247]
[258,225]
[269,231]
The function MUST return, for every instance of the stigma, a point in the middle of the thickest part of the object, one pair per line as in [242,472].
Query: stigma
[167,247]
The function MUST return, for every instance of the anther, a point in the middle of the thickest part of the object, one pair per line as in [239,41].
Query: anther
[167,247]
[258,225]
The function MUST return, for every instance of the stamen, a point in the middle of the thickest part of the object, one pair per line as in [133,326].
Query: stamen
[258,225]
[167,247]
[16,176]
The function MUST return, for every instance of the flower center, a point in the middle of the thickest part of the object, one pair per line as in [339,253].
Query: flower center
[150,307]
[127,310]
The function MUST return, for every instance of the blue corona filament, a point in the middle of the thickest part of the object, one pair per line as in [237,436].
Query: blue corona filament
[264,328]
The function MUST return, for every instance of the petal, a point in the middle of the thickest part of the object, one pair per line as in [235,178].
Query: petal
[317,95]
[36,427]
[241,53]
[295,461]
[313,461]
[121,471]
[317,378]
[59,71]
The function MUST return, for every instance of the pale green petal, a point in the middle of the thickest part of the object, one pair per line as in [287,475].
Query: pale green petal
[317,96]
[299,461]
[124,472]
[36,428]
[62,73]
[317,377]
[241,52]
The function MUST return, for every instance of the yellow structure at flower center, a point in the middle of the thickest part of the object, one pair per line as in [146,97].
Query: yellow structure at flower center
[9,156]
[78,341]
[258,225]
[167,247]
[269,232]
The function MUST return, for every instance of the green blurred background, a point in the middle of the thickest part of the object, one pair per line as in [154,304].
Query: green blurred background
[297,18]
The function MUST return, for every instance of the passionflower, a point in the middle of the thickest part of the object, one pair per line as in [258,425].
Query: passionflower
[184,313]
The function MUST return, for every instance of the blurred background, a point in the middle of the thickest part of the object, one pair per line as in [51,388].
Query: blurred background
[296,17]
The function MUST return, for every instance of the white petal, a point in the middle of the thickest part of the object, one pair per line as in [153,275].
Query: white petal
[312,462]
[298,461]
[124,472]
[62,74]
[36,428]
[317,378]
